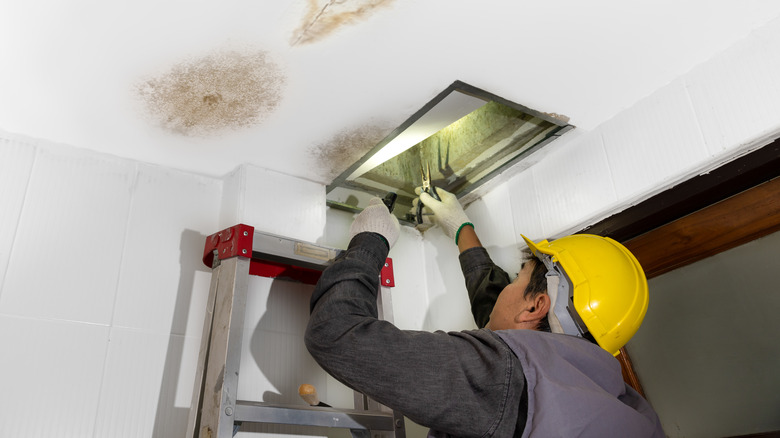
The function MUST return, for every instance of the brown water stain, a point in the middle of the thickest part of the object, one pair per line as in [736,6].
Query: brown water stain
[559,117]
[346,147]
[324,17]
[225,90]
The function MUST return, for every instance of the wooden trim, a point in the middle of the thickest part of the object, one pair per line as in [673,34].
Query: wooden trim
[727,224]
[629,375]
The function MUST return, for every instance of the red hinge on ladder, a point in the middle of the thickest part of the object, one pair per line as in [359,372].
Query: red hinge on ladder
[230,242]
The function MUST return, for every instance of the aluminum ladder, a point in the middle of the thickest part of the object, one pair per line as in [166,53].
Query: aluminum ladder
[233,255]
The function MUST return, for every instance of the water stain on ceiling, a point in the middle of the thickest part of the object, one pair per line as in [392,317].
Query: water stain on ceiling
[322,18]
[346,147]
[225,90]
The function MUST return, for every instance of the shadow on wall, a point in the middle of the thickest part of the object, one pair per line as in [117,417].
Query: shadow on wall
[277,344]
[171,420]
[450,310]
[278,350]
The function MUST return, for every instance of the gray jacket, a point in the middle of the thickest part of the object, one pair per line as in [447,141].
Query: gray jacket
[461,384]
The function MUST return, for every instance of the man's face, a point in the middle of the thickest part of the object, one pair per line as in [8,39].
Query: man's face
[512,308]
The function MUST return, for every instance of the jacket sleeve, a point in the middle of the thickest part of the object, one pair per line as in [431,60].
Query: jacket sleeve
[484,282]
[462,383]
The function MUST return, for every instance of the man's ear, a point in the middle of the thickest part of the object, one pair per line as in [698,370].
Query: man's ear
[537,310]
[542,303]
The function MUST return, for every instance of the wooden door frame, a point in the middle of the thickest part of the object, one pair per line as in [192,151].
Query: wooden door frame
[727,207]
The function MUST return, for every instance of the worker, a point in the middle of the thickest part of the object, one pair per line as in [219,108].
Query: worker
[510,377]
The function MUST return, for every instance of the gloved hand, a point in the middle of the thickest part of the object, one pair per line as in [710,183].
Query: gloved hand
[447,213]
[378,219]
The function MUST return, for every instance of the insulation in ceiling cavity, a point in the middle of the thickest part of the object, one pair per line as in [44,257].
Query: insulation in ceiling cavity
[484,135]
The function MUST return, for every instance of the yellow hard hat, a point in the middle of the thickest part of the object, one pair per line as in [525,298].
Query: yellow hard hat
[602,290]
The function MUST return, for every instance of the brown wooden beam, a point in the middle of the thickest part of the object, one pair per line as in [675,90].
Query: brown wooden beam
[727,224]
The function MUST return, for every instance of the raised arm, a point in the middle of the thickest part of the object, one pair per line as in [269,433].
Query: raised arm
[436,379]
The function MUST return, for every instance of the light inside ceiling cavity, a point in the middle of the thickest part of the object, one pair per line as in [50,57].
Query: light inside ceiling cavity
[465,134]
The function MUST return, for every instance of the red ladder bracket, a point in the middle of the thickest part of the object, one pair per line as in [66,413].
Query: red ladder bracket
[386,275]
[238,240]
[230,242]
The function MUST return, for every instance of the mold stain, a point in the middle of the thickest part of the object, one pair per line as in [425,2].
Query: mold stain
[345,148]
[559,117]
[324,17]
[222,91]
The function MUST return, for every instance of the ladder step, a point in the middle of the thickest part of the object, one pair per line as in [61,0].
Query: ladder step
[258,412]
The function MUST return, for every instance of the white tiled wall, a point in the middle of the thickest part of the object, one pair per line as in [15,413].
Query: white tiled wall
[102,288]
[69,238]
[736,96]
[524,201]
[655,140]
[586,162]
[274,203]
[16,160]
[52,372]
[132,377]
[172,212]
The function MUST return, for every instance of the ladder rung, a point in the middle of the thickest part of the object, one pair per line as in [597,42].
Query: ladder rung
[257,412]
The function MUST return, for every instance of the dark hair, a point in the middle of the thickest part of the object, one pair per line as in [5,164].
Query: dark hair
[537,285]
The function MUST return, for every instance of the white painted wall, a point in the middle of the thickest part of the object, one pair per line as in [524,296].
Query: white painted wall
[707,353]
[103,290]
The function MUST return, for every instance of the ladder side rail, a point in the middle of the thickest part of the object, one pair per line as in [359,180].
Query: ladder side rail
[193,422]
[224,357]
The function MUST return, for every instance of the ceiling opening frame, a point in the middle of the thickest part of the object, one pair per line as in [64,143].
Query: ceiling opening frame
[562,126]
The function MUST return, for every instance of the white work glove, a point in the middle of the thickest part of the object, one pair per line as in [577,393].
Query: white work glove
[378,219]
[447,213]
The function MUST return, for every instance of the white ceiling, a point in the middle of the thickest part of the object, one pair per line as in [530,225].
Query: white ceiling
[74,72]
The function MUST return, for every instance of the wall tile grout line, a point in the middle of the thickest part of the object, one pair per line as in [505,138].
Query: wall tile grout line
[537,208]
[696,116]
[516,239]
[19,220]
[53,320]
[603,143]
[133,188]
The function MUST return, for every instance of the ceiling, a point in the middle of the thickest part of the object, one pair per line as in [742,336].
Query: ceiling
[306,87]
